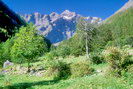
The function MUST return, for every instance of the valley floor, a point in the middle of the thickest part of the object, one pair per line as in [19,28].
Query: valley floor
[95,81]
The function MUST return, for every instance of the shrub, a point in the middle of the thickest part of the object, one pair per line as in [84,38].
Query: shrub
[52,48]
[1,76]
[96,58]
[118,60]
[130,69]
[51,55]
[58,69]
[129,41]
[80,69]
[63,51]
[120,42]
[129,74]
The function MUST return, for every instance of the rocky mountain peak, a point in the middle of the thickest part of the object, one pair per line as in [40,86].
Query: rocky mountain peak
[57,27]
[68,15]
[54,16]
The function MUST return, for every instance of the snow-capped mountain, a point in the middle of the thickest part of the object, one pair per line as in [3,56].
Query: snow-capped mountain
[57,27]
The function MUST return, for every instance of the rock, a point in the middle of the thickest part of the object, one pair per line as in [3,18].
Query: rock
[99,71]
[57,27]
[40,68]
[7,64]
[40,73]
[32,72]
[18,68]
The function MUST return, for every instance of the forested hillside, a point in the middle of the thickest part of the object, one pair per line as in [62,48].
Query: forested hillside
[8,22]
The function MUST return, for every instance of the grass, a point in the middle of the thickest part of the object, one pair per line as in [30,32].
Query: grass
[87,82]
[94,81]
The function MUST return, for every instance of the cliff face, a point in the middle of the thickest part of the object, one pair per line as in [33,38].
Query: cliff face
[57,27]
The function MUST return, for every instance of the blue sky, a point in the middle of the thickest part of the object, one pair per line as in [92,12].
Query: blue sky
[98,8]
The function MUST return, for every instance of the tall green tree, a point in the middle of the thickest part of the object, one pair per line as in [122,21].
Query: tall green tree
[28,45]
[87,30]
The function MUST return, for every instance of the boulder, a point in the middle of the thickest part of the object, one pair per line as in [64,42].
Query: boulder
[7,64]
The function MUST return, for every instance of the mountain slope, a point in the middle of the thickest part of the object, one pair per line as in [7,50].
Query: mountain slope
[116,30]
[128,5]
[57,27]
[8,21]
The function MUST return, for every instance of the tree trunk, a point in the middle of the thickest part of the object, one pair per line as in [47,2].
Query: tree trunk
[87,48]
[28,66]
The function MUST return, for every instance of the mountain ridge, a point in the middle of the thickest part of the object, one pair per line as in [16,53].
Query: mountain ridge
[57,27]
[126,6]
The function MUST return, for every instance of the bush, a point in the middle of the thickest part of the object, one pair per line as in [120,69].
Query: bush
[118,60]
[96,58]
[129,41]
[80,69]
[129,74]
[130,69]
[1,77]
[58,69]
[51,55]
[120,42]
[63,51]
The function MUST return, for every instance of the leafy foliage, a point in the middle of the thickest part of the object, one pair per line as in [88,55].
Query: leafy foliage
[96,58]
[58,69]
[5,50]
[63,51]
[117,59]
[77,44]
[80,69]
[27,45]
[51,55]
[120,42]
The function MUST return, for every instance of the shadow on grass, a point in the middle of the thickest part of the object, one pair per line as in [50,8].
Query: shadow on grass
[30,85]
